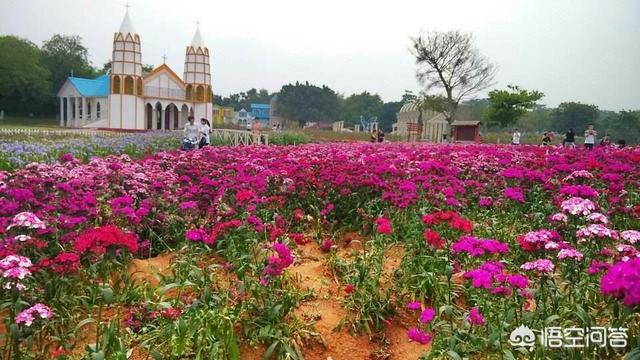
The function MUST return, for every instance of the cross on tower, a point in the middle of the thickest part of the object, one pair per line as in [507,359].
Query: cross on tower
[127,6]
[198,22]
[164,58]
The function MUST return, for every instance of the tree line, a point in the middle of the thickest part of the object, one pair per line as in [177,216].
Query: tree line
[30,76]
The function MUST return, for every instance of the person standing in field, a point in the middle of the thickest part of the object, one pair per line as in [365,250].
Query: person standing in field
[606,140]
[380,136]
[590,137]
[205,132]
[515,138]
[569,139]
[546,139]
[255,129]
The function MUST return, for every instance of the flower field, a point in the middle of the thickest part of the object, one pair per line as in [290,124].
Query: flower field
[341,251]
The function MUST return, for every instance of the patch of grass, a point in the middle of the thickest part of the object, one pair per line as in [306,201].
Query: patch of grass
[17,122]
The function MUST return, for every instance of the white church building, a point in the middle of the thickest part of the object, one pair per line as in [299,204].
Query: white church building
[129,99]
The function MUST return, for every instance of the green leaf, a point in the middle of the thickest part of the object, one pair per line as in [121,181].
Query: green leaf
[107,295]
[97,356]
[454,355]
[551,319]
[271,349]
[84,322]
[155,355]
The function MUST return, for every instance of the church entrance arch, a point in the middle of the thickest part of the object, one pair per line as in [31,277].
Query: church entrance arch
[158,116]
[184,113]
[149,114]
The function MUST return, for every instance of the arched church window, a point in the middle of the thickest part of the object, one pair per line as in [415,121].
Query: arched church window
[98,110]
[200,93]
[208,99]
[139,87]
[128,85]
[116,85]
[189,92]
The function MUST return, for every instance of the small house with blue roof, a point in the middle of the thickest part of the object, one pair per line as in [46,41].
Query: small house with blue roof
[261,112]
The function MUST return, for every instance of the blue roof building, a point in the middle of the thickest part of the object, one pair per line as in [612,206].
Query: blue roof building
[98,87]
[261,112]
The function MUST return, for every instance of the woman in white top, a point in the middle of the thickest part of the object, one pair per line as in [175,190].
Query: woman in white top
[590,137]
[205,131]
[191,130]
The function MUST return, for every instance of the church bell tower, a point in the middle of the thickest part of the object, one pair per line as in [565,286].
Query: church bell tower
[197,77]
[126,105]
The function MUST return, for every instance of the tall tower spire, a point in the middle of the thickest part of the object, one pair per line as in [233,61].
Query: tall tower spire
[126,77]
[197,71]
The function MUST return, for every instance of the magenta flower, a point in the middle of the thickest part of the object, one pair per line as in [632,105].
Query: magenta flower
[427,315]
[518,281]
[475,317]
[415,305]
[514,193]
[622,280]
[383,226]
[419,336]
[28,316]
[281,261]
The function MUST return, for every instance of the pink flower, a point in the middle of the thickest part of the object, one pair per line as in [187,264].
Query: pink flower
[570,254]
[27,220]
[559,217]
[427,315]
[475,317]
[349,289]
[541,265]
[326,245]
[28,316]
[415,305]
[278,263]
[383,226]
[630,236]
[419,336]
[578,206]
[597,218]
[598,231]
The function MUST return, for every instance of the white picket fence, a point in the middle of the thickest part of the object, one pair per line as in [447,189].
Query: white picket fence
[230,136]
[48,132]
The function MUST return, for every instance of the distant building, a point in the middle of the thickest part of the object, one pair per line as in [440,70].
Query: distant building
[415,124]
[223,115]
[243,117]
[127,98]
[261,112]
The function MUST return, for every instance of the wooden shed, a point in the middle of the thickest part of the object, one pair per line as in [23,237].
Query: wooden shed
[466,131]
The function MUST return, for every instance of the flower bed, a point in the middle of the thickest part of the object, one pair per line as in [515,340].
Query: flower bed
[382,250]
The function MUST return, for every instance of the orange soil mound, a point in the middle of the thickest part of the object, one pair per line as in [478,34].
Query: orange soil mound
[150,270]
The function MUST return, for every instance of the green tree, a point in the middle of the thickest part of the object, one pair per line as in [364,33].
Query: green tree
[308,103]
[507,106]
[389,114]
[623,125]
[573,115]
[24,80]
[449,61]
[63,54]
[536,120]
[357,105]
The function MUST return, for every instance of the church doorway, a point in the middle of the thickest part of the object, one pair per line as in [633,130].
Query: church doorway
[149,112]
[158,116]
[184,113]
[170,114]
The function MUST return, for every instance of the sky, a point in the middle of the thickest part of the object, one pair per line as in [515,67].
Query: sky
[571,50]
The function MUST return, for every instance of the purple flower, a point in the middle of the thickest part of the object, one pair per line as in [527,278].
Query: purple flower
[419,336]
[514,193]
[415,305]
[475,317]
[427,315]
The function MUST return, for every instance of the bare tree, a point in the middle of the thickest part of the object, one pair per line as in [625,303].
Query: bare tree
[449,61]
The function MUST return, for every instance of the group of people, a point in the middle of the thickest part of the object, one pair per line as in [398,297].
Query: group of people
[569,140]
[377,136]
[196,134]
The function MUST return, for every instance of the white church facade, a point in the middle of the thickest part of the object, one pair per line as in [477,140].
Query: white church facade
[130,99]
